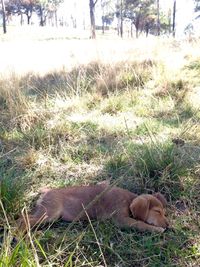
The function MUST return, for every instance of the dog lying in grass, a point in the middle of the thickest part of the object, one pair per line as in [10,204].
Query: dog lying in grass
[99,202]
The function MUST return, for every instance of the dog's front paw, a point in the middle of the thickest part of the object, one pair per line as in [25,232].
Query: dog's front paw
[159,229]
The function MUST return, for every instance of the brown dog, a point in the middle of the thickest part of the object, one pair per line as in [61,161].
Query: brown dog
[101,201]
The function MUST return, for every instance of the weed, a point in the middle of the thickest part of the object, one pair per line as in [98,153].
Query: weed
[152,126]
[194,65]
[12,188]
[113,106]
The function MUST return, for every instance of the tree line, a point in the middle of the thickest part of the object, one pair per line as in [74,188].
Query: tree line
[143,15]
[43,8]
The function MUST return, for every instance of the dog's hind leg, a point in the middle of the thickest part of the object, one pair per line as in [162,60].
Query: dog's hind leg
[43,213]
[27,221]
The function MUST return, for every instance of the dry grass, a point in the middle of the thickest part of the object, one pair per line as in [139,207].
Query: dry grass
[131,116]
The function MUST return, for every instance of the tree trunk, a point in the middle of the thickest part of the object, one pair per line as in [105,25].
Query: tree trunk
[137,32]
[118,25]
[103,18]
[147,29]
[103,26]
[4,16]
[21,19]
[42,17]
[121,27]
[121,19]
[92,18]
[158,17]
[137,24]
[56,18]
[169,20]
[29,18]
[174,19]
[131,29]
[29,15]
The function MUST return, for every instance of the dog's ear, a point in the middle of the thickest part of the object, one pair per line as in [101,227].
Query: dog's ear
[140,208]
[162,199]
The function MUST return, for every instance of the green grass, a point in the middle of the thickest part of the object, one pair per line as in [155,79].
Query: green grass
[95,122]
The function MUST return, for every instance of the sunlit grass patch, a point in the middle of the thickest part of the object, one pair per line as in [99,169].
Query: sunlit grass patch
[11,135]
[175,88]
[150,127]
[191,132]
[113,105]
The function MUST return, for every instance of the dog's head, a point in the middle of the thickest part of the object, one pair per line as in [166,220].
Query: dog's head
[150,209]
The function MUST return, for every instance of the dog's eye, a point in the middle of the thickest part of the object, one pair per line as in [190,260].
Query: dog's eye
[157,211]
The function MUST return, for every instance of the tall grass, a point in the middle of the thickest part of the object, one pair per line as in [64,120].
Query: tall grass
[132,122]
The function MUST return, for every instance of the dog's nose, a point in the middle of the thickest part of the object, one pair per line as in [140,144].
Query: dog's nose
[167,224]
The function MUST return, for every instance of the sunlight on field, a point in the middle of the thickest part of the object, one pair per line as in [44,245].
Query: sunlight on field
[50,50]
[107,121]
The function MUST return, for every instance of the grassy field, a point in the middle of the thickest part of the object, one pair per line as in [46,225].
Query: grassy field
[118,110]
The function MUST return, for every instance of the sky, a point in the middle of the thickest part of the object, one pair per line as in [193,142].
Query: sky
[185,12]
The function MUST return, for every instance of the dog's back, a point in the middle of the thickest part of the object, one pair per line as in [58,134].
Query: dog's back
[72,203]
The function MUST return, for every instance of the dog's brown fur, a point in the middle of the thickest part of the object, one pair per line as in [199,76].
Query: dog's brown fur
[144,212]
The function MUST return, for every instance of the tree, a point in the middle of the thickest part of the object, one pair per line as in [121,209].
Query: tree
[107,13]
[197,7]
[42,10]
[174,19]
[21,7]
[149,24]
[92,4]
[141,13]
[169,15]
[106,20]
[121,17]
[53,5]
[27,7]
[164,22]
[158,17]
[120,14]
[4,16]
[45,7]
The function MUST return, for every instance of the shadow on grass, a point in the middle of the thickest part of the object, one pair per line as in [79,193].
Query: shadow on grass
[141,168]
[153,167]
[13,184]
[119,247]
